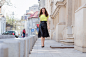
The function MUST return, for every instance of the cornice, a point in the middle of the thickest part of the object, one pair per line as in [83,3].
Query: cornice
[58,4]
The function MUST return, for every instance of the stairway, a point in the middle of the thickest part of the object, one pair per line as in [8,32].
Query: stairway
[68,41]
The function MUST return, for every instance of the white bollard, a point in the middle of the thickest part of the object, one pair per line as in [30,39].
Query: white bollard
[13,47]
[22,46]
[3,50]
[28,45]
[1,36]
[19,47]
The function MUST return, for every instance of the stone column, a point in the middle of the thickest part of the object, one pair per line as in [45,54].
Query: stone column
[51,20]
[69,18]
[60,26]
[62,12]
[51,28]
[80,29]
[75,5]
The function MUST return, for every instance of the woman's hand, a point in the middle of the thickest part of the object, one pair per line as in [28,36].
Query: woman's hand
[48,27]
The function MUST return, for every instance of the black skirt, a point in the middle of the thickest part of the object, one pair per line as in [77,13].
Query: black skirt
[43,31]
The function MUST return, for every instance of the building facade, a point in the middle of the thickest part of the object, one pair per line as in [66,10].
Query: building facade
[41,3]
[32,23]
[2,19]
[34,8]
[31,19]
[2,25]
[67,22]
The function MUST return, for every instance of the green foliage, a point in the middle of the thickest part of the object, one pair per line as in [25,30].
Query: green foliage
[10,21]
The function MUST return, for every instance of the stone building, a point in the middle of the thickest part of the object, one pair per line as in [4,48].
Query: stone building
[32,23]
[67,22]
[2,19]
[31,19]
[2,24]
[34,8]
[41,3]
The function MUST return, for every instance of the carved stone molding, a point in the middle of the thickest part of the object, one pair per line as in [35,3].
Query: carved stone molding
[58,4]
[51,3]
[61,3]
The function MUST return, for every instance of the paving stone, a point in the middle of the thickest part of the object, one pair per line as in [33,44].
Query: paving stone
[49,52]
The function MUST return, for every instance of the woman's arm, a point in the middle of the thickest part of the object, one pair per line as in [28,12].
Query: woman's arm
[39,21]
[48,23]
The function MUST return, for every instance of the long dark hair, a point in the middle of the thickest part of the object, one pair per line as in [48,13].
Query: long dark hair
[46,13]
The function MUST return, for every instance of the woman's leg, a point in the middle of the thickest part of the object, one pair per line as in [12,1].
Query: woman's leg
[41,41]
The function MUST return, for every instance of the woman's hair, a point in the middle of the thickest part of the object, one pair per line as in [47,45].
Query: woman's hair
[46,13]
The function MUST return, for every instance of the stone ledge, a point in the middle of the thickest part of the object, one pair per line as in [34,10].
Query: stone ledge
[69,41]
[83,6]
[61,23]
[70,37]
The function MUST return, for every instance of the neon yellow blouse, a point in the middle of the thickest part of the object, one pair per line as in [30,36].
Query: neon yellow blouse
[43,18]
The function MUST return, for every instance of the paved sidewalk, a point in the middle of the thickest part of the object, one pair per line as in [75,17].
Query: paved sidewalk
[49,52]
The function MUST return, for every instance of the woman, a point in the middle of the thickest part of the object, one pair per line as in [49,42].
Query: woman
[24,32]
[43,31]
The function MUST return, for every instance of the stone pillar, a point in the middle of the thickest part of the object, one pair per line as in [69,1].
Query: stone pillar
[80,29]
[51,28]
[60,26]
[75,5]
[69,18]
[62,12]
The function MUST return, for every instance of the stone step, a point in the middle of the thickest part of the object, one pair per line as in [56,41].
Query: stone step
[70,37]
[62,46]
[68,42]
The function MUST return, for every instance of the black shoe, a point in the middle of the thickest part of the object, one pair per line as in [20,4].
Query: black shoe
[42,46]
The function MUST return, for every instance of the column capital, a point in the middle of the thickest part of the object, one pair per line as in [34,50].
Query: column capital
[58,4]
[61,3]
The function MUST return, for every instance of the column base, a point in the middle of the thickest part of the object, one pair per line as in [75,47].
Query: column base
[79,48]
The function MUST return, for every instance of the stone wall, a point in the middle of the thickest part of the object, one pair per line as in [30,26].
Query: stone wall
[80,29]
[71,25]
